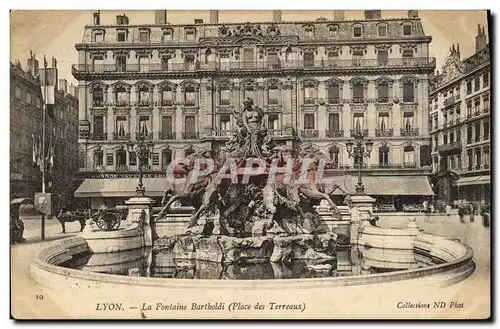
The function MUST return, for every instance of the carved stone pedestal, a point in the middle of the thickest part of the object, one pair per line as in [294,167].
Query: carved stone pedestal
[361,209]
[140,211]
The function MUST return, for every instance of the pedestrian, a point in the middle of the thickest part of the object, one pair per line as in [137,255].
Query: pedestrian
[486,216]
[424,206]
[461,213]
[432,208]
[448,210]
[471,210]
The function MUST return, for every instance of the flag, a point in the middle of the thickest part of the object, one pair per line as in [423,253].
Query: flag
[35,152]
[51,158]
[39,157]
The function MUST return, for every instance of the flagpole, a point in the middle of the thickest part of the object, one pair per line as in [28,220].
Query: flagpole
[44,110]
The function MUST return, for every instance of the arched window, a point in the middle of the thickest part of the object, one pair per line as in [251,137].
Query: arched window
[166,158]
[408,92]
[289,54]
[383,156]
[144,95]
[383,91]
[98,158]
[97,97]
[333,93]
[409,157]
[334,156]
[208,56]
[357,31]
[121,96]
[167,95]
[382,30]
[425,155]
[407,29]
[121,160]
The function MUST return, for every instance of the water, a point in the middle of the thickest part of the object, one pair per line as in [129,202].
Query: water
[162,264]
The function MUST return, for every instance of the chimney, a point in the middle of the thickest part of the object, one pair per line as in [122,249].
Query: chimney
[376,14]
[72,89]
[160,17]
[214,16]
[368,14]
[32,64]
[458,50]
[97,18]
[412,13]
[339,15]
[122,20]
[480,39]
[54,62]
[63,85]
[277,16]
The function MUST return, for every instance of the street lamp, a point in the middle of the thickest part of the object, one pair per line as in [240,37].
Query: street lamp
[357,151]
[143,150]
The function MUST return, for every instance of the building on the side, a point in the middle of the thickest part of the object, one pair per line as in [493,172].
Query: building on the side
[26,122]
[317,82]
[460,125]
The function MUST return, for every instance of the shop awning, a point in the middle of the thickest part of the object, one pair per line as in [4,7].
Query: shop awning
[120,187]
[475,180]
[395,185]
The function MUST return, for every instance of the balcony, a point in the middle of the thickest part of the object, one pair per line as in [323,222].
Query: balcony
[408,99]
[309,133]
[359,100]
[286,132]
[222,133]
[449,101]
[335,133]
[189,102]
[121,168]
[225,101]
[333,100]
[121,103]
[145,168]
[363,132]
[167,102]
[144,103]
[384,133]
[309,100]
[121,137]
[142,135]
[383,100]
[166,135]
[410,165]
[455,147]
[98,104]
[99,168]
[409,132]
[98,136]
[393,165]
[110,69]
[190,135]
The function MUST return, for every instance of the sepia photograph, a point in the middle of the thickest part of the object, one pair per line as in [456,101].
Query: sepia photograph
[250,164]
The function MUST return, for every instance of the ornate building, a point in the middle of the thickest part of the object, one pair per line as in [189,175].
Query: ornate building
[26,103]
[317,82]
[460,125]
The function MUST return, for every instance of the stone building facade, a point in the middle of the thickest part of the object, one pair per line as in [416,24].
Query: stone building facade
[317,82]
[26,122]
[460,118]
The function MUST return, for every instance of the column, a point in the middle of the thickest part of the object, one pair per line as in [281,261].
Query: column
[179,125]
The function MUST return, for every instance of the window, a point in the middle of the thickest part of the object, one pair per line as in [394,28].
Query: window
[408,121]
[408,92]
[358,92]
[166,157]
[486,79]
[144,36]
[478,158]
[486,157]
[333,31]
[225,122]
[469,160]
[156,159]
[273,122]
[333,56]
[167,96]
[38,103]
[189,96]
[28,97]
[469,133]
[209,56]
[334,156]
[382,30]
[459,136]
[383,156]
[98,125]
[333,123]
[121,126]
[358,123]
[225,96]
[452,137]
[143,64]
[309,94]
[469,109]
[190,35]
[189,125]
[99,37]
[144,95]
[409,156]
[308,60]
[477,134]
[407,56]
[356,31]
[189,63]
[357,57]
[121,159]
[121,36]
[309,32]
[333,93]
[476,83]
[273,60]
[383,122]
[289,55]
[167,36]
[249,93]
[165,63]
[469,87]
[98,158]
[121,63]
[407,29]
[18,92]
[144,125]
[382,57]
[273,95]
[166,125]
[132,159]
[248,60]
[109,159]
[309,121]
[97,97]
[383,92]
[121,96]
[486,130]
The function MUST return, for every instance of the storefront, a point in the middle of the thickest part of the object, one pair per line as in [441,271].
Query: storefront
[475,189]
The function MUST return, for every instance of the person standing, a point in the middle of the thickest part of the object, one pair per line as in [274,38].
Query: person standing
[471,211]
[448,210]
[461,213]
[486,216]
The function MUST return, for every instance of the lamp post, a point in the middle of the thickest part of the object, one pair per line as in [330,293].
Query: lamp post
[143,150]
[358,151]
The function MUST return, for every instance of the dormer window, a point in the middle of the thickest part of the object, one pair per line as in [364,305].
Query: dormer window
[309,31]
[407,29]
[357,31]
[190,34]
[144,36]
[99,36]
[333,31]
[382,30]
[167,35]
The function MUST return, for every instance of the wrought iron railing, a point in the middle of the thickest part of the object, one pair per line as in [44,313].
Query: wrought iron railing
[355,132]
[334,133]
[98,136]
[166,135]
[409,132]
[121,137]
[309,133]
[190,135]
[384,132]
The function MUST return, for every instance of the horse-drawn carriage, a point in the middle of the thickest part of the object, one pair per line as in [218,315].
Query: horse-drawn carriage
[107,219]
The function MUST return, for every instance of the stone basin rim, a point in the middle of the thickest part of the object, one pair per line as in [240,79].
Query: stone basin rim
[40,268]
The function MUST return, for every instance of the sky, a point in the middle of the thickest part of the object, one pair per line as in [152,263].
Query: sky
[55,33]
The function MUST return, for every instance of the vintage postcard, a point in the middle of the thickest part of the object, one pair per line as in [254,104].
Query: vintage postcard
[216,164]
